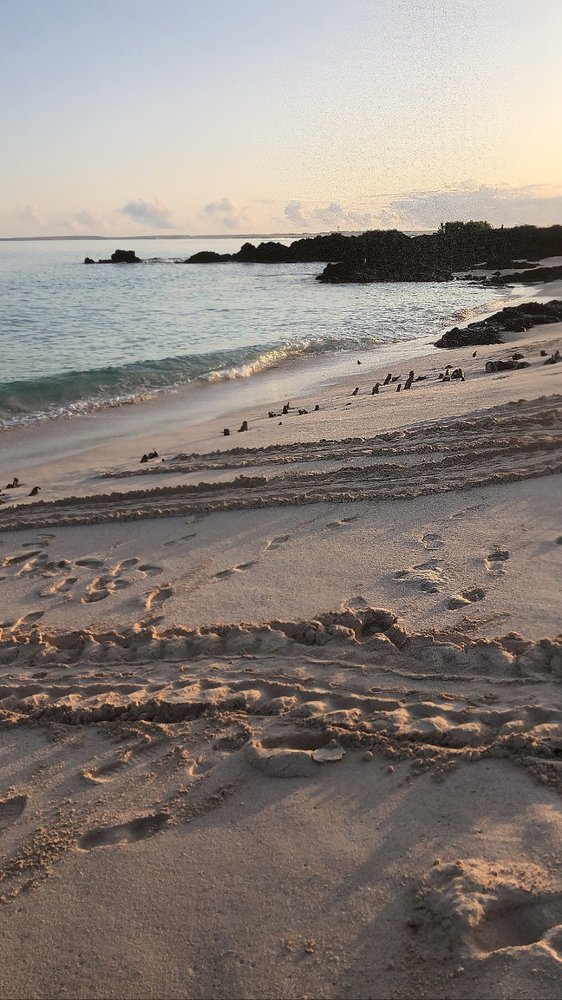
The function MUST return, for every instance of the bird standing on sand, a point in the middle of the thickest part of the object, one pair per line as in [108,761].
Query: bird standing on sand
[355,391]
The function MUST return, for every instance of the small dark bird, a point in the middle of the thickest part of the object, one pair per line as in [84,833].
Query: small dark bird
[375,389]
[388,379]
[474,355]
[355,391]
[226,432]
[144,459]
[396,378]
[244,426]
[35,491]
[271,414]
[316,408]
[398,387]
[358,362]
[285,409]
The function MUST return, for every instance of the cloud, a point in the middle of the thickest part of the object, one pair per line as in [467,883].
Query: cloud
[293,212]
[224,214]
[539,205]
[335,216]
[33,214]
[152,213]
[332,216]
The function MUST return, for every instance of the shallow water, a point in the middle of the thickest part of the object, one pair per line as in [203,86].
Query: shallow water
[79,339]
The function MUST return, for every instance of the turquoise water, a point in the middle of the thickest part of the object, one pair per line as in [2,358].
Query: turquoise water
[77,339]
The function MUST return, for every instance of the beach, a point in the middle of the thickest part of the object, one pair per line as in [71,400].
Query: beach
[280,709]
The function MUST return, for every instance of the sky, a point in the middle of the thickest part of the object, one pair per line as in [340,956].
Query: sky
[127,117]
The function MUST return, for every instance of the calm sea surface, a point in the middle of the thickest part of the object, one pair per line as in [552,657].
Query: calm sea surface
[77,339]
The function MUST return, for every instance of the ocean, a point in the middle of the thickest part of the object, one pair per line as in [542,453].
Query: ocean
[79,339]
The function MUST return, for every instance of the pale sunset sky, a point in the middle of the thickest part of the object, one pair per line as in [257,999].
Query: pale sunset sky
[127,117]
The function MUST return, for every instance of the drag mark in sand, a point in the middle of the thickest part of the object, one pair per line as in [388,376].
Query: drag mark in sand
[159,728]
[508,443]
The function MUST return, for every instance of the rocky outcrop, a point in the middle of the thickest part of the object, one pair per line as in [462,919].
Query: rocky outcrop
[118,257]
[537,275]
[501,264]
[515,319]
[509,365]
[388,255]
[208,257]
[346,272]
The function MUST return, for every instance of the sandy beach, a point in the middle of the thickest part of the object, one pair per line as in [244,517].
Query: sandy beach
[280,710]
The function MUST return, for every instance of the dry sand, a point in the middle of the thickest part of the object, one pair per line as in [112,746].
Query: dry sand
[281,713]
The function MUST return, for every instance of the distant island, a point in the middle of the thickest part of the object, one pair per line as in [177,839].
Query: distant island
[152,236]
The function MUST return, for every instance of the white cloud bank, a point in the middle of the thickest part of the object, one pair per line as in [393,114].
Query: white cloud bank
[332,216]
[537,205]
[224,215]
[149,213]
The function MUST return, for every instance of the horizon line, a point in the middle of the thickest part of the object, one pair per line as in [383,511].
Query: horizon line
[203,236]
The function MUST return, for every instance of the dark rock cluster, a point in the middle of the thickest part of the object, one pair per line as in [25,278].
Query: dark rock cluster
[530,277]
[119,257]
[347,272]
[388,255]
[513,319]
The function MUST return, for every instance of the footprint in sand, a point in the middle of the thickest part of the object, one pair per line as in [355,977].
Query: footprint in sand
[62,587]
[495,559]
[342,522]
[157,597]
[97,590]
[34,565]
[30,619]
[39,544]
[225,573]
[19,557]
[124,833]
[10,810]
[427,576]
[126,564]
[276,542]
[466,597]
[476,509]
[150,570]
[100,775]
[431,541]
[89,563]
[182,538]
